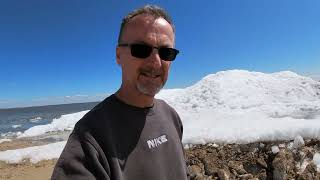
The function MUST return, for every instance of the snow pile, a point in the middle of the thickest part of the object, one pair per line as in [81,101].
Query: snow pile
[241,106]
[65,122]
[35,154]
[238,89]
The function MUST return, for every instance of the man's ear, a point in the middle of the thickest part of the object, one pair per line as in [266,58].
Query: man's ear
[118,56]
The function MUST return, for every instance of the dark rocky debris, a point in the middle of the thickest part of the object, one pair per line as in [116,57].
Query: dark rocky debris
[262,160]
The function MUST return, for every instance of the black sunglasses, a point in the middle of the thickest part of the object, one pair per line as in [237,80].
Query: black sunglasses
[143,51]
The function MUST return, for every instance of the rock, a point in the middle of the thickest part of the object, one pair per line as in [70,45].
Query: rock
[283,166]
[210,164]
[246,176]
[234,172]
[312,142]
[199,177]
[223,174]
[201,153]
[252,167]
[262,163]
[309,152]
[262,175]
[194,170]
[237,166]
[290,145]
[244,148]
[309,173]
[221,154]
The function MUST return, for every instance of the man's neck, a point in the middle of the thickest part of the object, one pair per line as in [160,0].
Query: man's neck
[137,100]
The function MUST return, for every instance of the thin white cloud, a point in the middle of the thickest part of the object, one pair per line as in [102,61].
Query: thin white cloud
[3,101]
[81,95]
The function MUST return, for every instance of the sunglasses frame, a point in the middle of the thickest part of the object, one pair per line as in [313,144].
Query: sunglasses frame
[158,48]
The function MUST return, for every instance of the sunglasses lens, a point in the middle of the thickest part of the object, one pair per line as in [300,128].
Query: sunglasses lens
[143,51]
[140,50]
[168,54]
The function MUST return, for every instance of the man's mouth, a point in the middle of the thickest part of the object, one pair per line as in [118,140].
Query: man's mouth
[150,75]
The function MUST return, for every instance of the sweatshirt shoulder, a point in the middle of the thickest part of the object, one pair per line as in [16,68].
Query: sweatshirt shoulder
[164,107]
[95,116]
[163,104]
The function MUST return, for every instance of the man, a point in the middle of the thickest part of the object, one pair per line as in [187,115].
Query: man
[131,135]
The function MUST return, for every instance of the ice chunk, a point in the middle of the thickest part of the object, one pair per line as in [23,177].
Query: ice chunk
[298,142]
[275,149]
[316,160]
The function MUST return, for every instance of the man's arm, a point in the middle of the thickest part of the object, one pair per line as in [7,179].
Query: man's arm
[80,160]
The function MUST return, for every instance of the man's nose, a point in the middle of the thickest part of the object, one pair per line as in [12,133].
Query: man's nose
[155,59]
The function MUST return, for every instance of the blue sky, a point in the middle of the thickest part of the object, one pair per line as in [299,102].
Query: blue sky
[64,51]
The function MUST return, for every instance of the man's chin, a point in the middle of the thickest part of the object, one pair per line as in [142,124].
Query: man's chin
[148,91]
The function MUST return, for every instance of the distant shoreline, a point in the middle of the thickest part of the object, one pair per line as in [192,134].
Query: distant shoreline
[46,106]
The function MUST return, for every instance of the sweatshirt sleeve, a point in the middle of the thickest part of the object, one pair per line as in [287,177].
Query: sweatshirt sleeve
[80,160]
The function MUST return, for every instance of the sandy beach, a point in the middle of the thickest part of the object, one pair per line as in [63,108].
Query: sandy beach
[39,171]
[25,170]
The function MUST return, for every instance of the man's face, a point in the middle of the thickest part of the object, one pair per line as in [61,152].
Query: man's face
[145,76]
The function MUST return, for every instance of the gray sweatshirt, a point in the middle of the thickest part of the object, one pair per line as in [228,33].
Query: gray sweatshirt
[116,141]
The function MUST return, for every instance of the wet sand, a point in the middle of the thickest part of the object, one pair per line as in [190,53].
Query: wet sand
[27,170]
[19,143]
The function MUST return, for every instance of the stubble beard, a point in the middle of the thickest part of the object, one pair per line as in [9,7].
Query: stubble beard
[150,88]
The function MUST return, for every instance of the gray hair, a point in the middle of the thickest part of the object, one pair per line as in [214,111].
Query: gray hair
[153,10]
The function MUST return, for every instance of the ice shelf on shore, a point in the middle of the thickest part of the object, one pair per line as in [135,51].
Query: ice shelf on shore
[65,122]
[34,154]
[4,140]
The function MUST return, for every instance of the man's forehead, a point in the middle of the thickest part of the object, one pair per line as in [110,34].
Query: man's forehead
[143,27]
[142,18]
[146,21]
[162,21]
[161,40]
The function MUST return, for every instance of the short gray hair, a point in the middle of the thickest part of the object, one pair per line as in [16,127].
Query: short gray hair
[153,10]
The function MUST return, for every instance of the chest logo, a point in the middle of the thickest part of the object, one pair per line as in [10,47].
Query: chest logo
[153,143]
